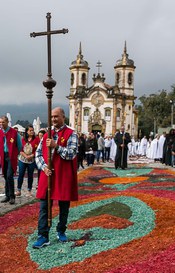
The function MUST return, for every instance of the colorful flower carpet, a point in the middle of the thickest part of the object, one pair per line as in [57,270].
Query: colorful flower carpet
[124,221]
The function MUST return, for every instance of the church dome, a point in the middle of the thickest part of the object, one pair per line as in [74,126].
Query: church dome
[128,62]
[125,60]
[79,61]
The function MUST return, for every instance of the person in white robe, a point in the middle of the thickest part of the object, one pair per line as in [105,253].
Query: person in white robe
[113,150]
[131,147]
[137,147]
[155,148]
[143,146]
[148,150]
[161,144]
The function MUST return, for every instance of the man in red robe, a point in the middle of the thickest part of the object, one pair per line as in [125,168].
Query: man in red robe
[64,147]
[10,146]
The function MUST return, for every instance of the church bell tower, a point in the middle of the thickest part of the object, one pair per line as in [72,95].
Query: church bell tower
[124,74]
[124,79]
[79,70]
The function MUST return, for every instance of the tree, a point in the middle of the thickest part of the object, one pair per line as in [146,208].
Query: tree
[23,123]
[155,111]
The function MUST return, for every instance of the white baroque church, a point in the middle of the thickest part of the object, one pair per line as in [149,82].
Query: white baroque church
[102,107]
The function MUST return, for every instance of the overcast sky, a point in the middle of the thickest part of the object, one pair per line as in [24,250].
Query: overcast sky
[102,26]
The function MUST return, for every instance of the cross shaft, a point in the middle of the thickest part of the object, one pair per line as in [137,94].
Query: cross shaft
[49,83]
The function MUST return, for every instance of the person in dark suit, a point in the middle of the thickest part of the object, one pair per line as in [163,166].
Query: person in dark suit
[122,139]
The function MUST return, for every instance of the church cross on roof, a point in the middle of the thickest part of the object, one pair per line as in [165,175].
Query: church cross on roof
[98,65]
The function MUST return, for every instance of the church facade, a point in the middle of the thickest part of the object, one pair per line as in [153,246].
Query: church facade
[102,107]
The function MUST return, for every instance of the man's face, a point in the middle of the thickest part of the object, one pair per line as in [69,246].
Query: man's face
[122,129]
[57,118]
[3,123]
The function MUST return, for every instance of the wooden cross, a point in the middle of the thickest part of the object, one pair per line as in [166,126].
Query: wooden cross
[49,83]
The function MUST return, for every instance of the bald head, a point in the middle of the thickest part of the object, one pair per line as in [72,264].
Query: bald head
[58,117]
[60,110]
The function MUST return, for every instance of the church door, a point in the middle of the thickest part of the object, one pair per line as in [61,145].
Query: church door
[96,128]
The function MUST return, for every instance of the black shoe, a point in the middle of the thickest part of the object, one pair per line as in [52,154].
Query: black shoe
[12,201]
[5,200]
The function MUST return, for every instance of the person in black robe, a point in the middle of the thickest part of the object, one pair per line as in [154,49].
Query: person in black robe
[167,149]
[91,149]
[122,139]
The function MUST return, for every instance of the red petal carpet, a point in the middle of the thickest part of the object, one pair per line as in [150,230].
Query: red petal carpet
[124,221]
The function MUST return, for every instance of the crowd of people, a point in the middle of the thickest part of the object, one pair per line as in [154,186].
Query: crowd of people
[17,155]
[93,148]
[161,148]
[68,152]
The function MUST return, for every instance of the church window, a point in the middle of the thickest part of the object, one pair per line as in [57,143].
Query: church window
[72,79]
[83,79]
[128,126]
[86,114]
[118,114]
[129,107]
[130,78]
[117,78]
[108,114]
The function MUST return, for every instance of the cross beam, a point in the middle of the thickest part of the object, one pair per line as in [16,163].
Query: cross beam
[49,83]
[35,34]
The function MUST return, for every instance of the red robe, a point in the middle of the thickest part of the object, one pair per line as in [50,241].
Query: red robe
[11,137]
[34,143]
[64,177]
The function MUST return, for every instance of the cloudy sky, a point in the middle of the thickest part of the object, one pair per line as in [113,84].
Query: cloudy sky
[102,27]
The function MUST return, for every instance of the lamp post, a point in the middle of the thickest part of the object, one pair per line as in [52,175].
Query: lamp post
[154,126]
[172,112]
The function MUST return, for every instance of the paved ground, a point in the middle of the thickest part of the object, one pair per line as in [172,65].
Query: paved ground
[23,200]
[19,201]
